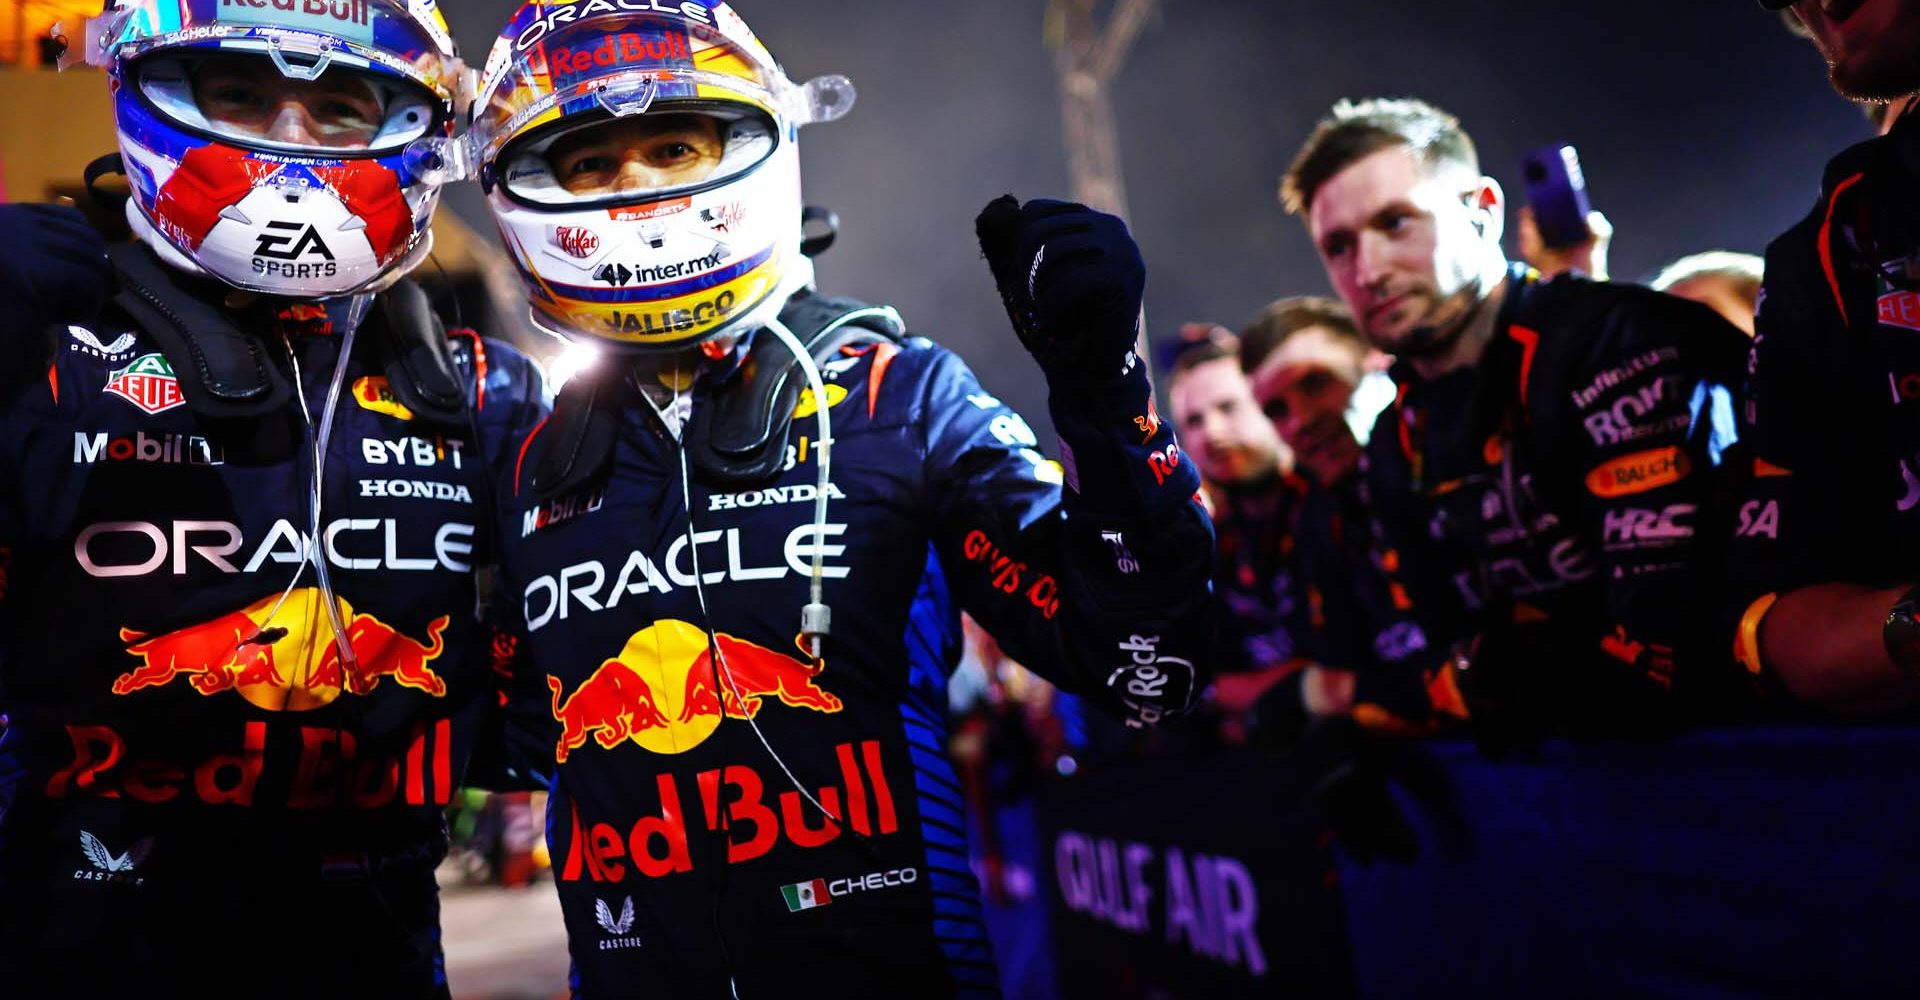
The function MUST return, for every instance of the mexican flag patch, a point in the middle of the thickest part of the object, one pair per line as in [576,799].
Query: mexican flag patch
[806,895]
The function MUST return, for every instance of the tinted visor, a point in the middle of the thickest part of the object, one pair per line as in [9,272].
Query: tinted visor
[255,101]
[606,158]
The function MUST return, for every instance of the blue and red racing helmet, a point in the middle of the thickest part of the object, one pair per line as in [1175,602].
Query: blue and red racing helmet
[289,147]
[640,158]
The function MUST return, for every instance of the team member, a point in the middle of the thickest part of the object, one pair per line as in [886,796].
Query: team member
[751,788]
[1549,470]
[1310,372]
[1255,505]
[1722,280]
[1828,525]
[241,507]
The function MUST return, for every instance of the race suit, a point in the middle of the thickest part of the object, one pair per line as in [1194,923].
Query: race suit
[200,795]
[1558,508]
[728,820]
[1832,416]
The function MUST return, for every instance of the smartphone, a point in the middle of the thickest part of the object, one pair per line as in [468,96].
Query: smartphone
[1557,190]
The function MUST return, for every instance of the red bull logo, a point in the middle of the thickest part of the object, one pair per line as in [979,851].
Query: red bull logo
[329,769]
[286,658]
[756,813]
[667,692]
[623,49]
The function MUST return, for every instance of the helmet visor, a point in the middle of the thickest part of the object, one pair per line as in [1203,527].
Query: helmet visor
[268,102]
[606,158]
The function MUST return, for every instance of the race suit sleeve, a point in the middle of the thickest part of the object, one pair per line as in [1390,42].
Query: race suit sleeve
[1101,587]
[1654,426]
[1812,495]
[514,751]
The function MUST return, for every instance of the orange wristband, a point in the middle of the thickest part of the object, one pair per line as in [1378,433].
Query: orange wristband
[1746,642]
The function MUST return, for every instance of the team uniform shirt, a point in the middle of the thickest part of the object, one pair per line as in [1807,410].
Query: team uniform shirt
[728,818]
[1256,574]
[197,787]
[1832,417]
[1557,507]
[1361,617]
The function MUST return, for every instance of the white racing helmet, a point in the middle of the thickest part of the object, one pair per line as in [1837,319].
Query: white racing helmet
[291,147]
[640,159]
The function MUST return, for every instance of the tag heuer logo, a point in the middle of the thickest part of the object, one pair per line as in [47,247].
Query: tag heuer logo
[109,867]
[147,383]
[1901,309]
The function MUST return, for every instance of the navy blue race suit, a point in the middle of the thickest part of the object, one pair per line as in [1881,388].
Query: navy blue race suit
[1833,416]
[1559,506]
[199,794]
[727,819]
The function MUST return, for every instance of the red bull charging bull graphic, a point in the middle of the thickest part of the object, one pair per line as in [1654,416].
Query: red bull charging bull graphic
[283,655]
[666,692]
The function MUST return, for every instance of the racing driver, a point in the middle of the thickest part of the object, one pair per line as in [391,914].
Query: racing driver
[242,504]
[742,541]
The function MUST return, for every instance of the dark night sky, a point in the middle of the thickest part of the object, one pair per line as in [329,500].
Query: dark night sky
[1701,123]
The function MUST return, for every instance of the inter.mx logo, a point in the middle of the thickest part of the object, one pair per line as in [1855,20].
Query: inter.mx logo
[111,867]
[290,241]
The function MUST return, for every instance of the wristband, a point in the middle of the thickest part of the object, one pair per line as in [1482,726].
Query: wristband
[1746,640]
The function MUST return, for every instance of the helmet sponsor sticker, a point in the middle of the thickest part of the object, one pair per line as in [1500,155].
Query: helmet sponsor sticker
[577,241]
[657,210]
[348,19]
[281,246]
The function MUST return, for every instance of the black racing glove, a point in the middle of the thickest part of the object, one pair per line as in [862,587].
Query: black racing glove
[54,270]
[1072,280]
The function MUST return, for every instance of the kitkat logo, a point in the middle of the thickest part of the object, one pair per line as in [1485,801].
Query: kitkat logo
[577,241]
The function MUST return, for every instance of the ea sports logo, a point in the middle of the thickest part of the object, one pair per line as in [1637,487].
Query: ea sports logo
[291,241]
